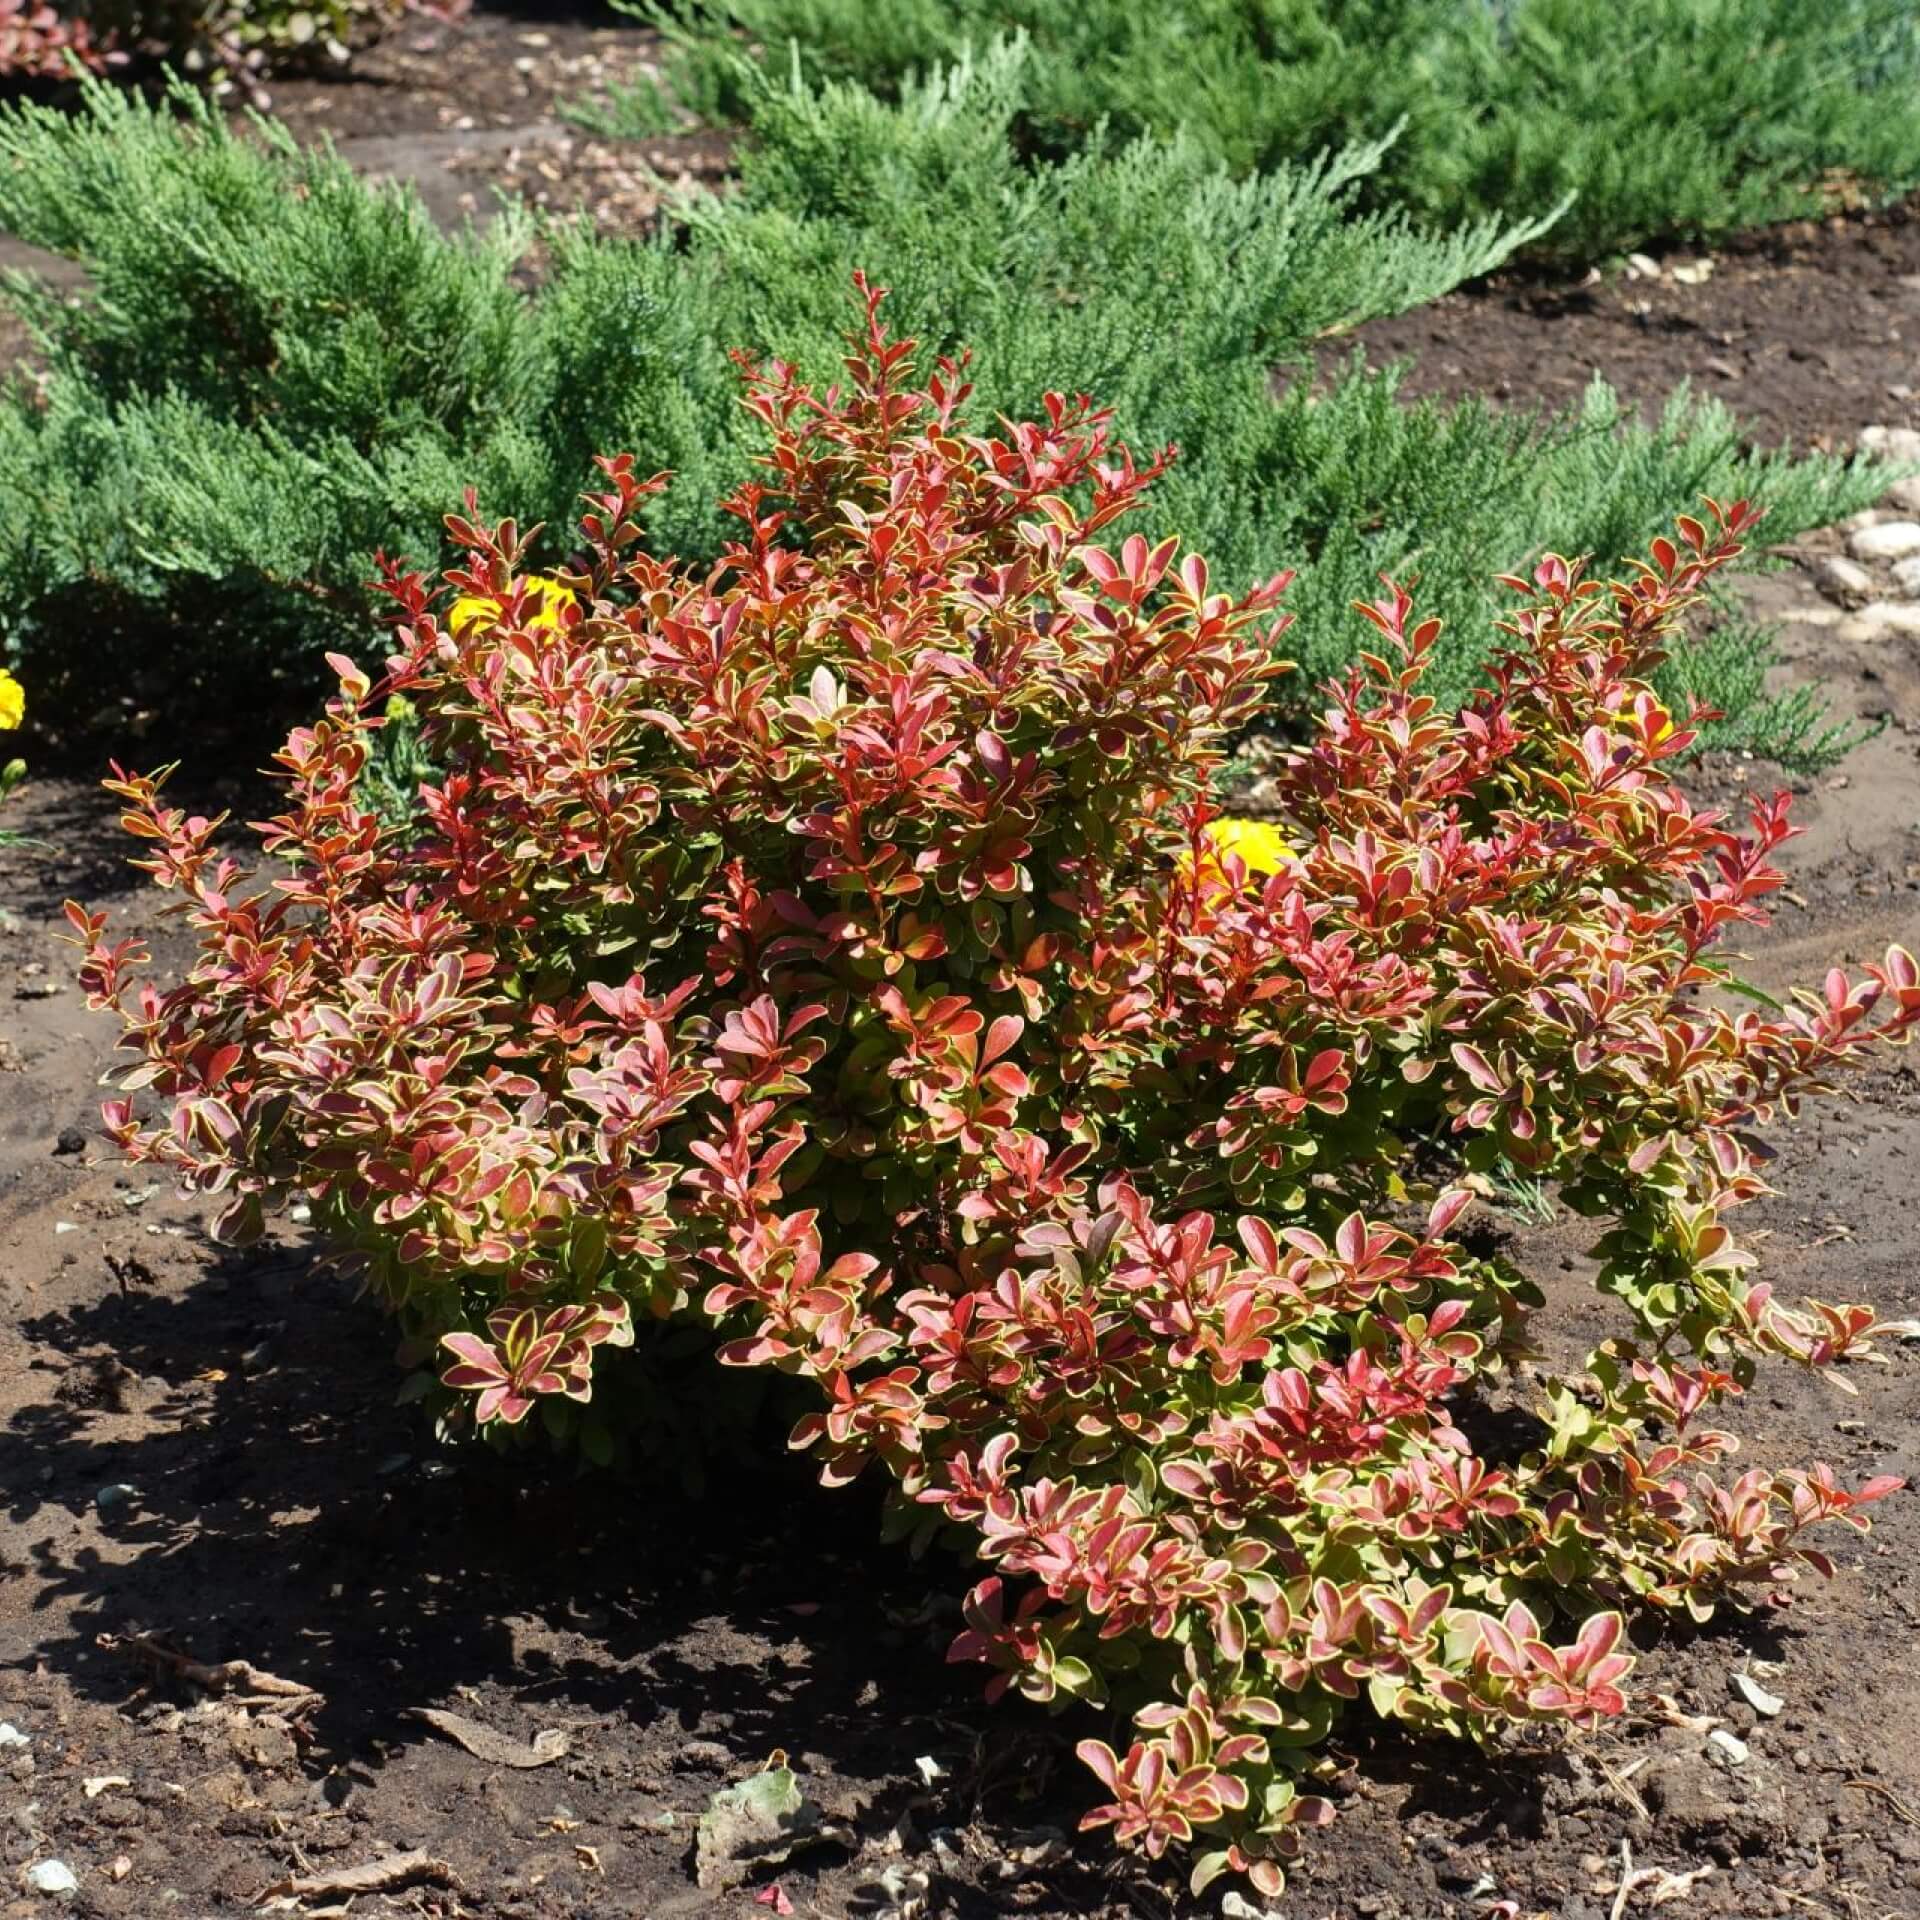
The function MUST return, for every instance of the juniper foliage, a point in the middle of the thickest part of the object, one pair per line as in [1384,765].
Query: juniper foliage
[283,368]
[1670,119]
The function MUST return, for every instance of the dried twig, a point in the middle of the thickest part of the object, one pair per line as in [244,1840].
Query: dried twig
[1892,1799]
[371,1876]
[1661,1885]
[237,1680]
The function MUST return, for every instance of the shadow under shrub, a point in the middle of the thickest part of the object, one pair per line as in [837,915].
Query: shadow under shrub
[836,949]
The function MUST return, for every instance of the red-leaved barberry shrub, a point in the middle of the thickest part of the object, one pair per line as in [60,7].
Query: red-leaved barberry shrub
[838,944]
[38,42]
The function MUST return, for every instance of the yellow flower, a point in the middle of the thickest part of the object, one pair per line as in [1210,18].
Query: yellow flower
[13,702]
[549,598]
[1660,720]
[1260,845]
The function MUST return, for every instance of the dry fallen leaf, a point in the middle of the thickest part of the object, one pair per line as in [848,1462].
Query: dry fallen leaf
[371,1876]
[1669,1710]
[499,1749]
[1765,1704]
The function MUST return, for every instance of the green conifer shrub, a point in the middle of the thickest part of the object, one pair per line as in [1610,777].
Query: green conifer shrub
[284,370]
[1670,119]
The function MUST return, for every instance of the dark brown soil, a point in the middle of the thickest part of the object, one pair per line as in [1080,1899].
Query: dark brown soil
[1809,332]
[495,67]
[205,1449]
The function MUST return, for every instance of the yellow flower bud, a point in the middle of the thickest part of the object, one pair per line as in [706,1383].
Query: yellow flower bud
[13,702]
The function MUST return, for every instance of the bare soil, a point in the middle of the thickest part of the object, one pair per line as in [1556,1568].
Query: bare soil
[1809,331]
[203,1449]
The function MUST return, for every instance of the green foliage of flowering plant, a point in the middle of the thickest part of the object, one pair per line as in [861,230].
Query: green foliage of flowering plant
[839,944]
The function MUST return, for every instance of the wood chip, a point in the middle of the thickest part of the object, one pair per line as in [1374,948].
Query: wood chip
[498,1749]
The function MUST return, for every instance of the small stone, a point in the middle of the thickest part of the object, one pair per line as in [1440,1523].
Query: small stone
[1643,266]
[52,1876]
[1236,1906]
[116,1495]
[1891,540]
[11,1736]
[1730,1744]
[1904,495]
[1894,443]
[1906,574]
[1883,617]
[1846,581]
[71,1140]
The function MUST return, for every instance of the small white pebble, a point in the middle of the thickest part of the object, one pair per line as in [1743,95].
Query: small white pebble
[1893,443]
[1891,540]
[1889,616]
[1846,581]
[52,1876]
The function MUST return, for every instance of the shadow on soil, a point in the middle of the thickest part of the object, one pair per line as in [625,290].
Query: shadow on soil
[263,1499]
